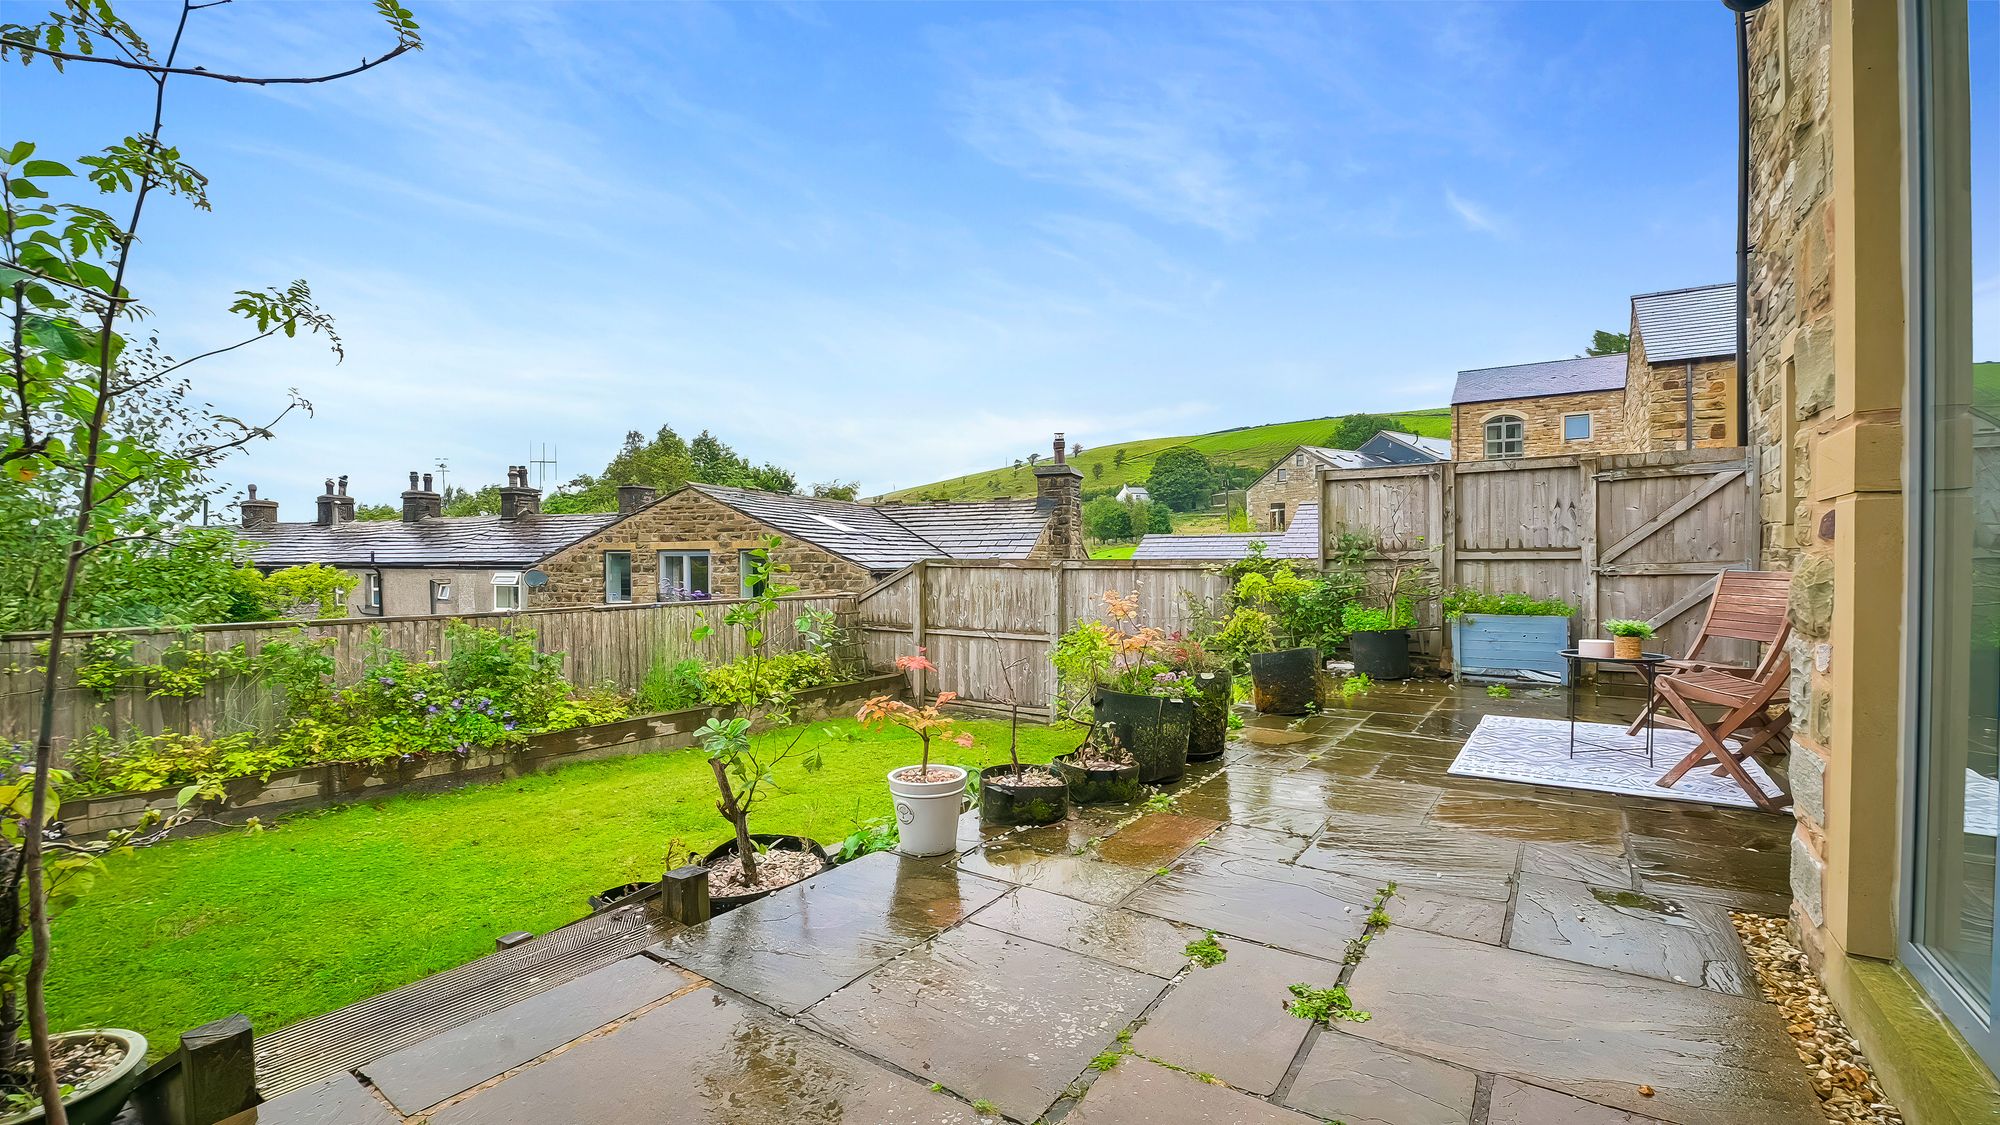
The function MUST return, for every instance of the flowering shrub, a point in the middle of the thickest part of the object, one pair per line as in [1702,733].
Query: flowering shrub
[1117,654]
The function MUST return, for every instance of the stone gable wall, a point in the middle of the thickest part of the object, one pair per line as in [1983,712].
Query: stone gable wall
[691,521]
[1542,433]
[1656,401]
[1298,487]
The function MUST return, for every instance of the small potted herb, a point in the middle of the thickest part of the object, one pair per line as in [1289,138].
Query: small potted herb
[1628,638]
[1503,634]
[928,797]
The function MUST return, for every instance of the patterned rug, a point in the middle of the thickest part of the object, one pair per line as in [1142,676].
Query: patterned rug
[1536,752]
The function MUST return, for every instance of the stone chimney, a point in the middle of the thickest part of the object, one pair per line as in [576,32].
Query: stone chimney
[419,502]
[326,506]
[632,497]
[1059,492]
[517,499]
[257,513]
[343,504]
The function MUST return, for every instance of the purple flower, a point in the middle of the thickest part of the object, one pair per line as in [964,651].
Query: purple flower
[419,697]
[388,681]
[511,724]
[431,710]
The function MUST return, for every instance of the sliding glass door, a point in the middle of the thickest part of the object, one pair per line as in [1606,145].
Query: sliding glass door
[1954,275]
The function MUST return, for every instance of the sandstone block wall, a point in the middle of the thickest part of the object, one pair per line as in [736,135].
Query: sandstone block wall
[1543,418]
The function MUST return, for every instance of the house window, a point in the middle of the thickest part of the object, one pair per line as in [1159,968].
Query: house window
[617,576]
[507,589]
[440,593]
[1504,436]
[683,575]
[747,565]
[1278,517]
[1283,474]
[1299,460]
[371,592]
[1576,427]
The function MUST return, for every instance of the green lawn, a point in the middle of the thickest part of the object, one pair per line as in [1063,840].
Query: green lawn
[323,910]
[1255,447]
[1113,551]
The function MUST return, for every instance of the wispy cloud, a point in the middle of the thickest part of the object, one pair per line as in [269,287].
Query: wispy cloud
[1476,216]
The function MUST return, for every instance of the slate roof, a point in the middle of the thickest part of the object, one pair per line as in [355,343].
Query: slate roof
[1537,380]
[443,541]
[1338,458]
[885,537]
[1296,542]
[1683,324]
[1437,449]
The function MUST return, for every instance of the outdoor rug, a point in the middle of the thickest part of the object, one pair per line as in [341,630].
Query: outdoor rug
[1536,752]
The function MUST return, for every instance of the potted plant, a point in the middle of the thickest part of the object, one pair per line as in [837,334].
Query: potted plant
[752,865]
[1628,638]
[1014,795]
[1211,689]
[1379,638]
[928,798]
[99,1067]
[1501,634]
[1119,666]
[1101,772]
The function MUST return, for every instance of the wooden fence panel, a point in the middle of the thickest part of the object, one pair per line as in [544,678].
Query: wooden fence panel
[602,645]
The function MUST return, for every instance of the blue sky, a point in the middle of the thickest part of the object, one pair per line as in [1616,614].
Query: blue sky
[895,242]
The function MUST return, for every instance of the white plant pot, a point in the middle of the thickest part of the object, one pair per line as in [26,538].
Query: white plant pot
[927,812]
[1601,649]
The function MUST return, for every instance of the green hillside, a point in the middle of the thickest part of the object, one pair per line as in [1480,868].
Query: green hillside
[1254,447]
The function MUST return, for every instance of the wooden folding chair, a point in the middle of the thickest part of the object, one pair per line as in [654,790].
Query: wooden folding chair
[1748,605]
[1746,703]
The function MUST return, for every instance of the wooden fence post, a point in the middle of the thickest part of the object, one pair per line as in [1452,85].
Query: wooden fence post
[684,895]
[1446,522]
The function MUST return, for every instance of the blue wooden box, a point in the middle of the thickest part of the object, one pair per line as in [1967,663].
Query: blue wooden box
[1492,644]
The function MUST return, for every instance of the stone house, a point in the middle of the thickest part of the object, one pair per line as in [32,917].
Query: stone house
[1133,493]
[1681,389]
[696,540]
[424,562]
[1278,498]
[1540,409]
[1866,429]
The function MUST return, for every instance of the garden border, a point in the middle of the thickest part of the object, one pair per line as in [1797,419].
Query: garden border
[305,788]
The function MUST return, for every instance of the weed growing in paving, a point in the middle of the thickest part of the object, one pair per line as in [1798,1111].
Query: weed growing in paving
[1499,691]
[1107,1060]
[1324,1005]
[1206,951]
[982,1106]
[1160,802]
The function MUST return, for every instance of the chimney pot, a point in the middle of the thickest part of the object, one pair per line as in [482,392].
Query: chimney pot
[257,513]
[1061,447]
[632,497]
[517,499]
[253,492]
[413,480]
[343,484]
[427,482]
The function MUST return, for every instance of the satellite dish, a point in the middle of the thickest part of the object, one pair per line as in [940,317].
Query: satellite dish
[536,579]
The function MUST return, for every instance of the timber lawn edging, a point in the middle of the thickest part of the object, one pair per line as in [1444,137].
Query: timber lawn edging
[339,783]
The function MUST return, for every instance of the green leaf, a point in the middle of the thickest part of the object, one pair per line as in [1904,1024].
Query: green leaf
[45,168]
[21,151]
[25,189]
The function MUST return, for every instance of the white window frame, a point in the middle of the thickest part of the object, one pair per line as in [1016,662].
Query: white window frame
[509,581]
[1488,441]
[1284,475]
[1278,516]
[1589,426]
[614,597]
[684,561]
[371,592]
[440,593]
[744,557]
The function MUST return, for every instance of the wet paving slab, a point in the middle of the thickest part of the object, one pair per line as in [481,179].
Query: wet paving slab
[1514,818]
[1359,1082]
[707,1059]
[1597,866]
[1684,941]
[1231,1019]
[1122,937]
[1137,1092]
[799,944]
[1274,903]
[336,1101]
[989,1015]
[1453,861]
[1745,868]
[1257,843]
[1516,1103]
[1596,1034]
[427,1073]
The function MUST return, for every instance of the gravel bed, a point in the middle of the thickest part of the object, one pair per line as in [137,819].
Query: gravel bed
[1839,1070]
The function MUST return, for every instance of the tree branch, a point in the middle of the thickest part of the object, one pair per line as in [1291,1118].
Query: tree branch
[160,71]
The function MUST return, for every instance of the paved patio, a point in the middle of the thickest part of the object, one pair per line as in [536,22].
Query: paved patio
[1551,956]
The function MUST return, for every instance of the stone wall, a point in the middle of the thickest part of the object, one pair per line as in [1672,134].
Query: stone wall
[1792,391]
[1300,486]
[1656,402]
[1542,434]
[688,520]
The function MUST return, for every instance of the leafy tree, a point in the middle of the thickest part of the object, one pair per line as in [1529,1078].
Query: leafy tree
[666,462]
[1118,458]
[1159,520]
[377,512]
[1182,479]
[1353,431]
[313,590]
[1609,343]
[1097,470]
[459,502]
[1104,518]
[841,490]
[76,383]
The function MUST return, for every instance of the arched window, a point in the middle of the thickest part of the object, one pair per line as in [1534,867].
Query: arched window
[1504,436]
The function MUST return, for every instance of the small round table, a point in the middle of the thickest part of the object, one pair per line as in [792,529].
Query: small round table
[1648,666]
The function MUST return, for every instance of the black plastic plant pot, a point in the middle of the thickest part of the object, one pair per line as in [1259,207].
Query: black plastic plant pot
[1287,682]
[1208,732]
[1382,656]
[1152,728]
[1004,803]
[1118,785]
[718,904]
[611,896]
